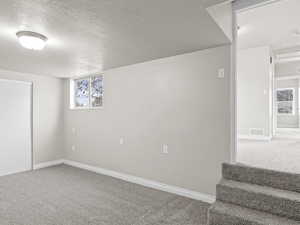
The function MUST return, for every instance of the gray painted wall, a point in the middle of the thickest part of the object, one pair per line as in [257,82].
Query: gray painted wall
[222,14]
[177,101]
[254,91]
[47,115]
[287,69]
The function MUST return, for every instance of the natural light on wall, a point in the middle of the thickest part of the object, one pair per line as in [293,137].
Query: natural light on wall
[32,40]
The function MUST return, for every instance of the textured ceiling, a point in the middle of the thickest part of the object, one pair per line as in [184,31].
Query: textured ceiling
[271,25]
[87,36]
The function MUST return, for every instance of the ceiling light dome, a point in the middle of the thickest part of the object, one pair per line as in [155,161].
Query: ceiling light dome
[32,40]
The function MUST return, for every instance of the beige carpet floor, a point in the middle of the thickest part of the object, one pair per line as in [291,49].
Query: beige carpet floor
[63,195]
[281,153]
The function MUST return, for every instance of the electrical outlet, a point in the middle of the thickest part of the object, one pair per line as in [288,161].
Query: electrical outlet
[165,149]
[73,147]
[121,141]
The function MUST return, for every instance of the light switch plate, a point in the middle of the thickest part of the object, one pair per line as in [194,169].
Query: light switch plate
[165,149]
[221,73]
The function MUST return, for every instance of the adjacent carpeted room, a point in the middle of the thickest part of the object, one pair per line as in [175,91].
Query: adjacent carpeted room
[280,153]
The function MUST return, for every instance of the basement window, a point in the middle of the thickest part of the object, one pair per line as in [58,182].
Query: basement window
[86,93]
[285,101]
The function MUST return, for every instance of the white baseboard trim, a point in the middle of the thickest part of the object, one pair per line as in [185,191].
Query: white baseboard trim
[133,179]
[145,182]
[48,164]
[255,137]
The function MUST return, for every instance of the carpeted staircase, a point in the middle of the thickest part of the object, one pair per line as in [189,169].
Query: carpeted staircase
[252,196]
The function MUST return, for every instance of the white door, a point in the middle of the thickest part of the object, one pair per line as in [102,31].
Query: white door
[15,127]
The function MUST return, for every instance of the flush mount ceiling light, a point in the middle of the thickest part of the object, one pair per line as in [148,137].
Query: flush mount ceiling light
[32,40]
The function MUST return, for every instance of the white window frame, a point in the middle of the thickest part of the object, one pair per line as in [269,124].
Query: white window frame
[72,93]
[293,102]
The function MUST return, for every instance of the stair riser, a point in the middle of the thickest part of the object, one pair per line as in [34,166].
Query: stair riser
[220,219]
[258,201]
[279,180]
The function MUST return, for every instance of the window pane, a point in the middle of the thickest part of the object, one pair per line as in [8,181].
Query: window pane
[285,108]
[82,93]
[97,91]
[285,95]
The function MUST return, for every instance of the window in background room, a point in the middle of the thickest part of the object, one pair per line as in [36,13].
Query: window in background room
[285,101]
[86,93]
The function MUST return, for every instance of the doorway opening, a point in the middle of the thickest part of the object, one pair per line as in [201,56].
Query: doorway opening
[267,85]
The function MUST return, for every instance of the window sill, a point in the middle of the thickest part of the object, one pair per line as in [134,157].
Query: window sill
[86,109]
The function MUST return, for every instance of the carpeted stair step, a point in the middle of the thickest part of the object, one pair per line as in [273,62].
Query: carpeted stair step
[275,201]
[227,214]
[264,177]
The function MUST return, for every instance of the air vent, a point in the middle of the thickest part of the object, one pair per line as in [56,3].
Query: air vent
[256,131]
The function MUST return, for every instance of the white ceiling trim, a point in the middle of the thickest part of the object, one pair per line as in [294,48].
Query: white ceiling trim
[288,57]
[289,77]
